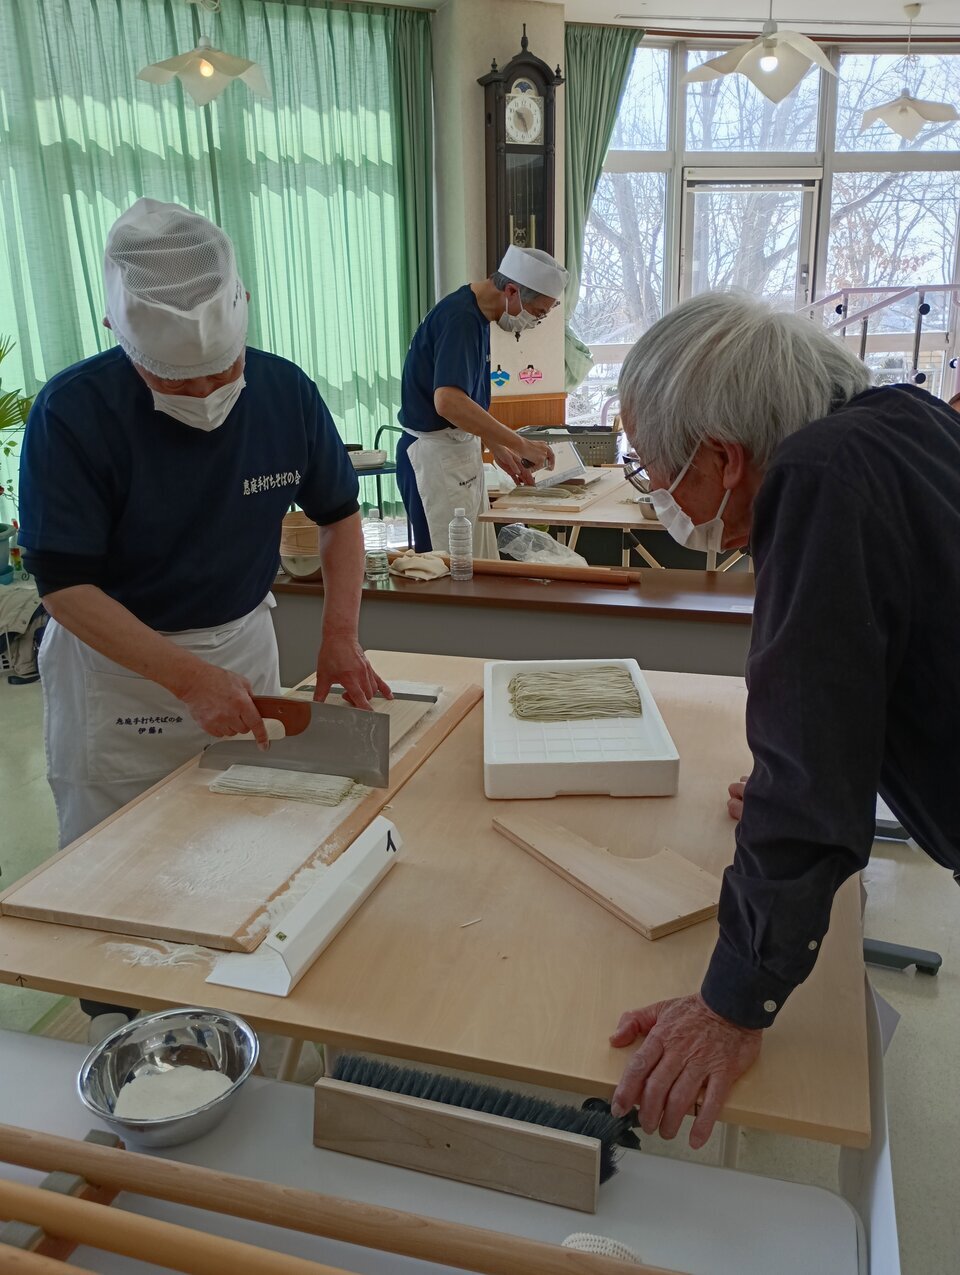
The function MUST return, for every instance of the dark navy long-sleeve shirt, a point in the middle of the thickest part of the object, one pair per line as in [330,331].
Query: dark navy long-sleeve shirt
[853,676]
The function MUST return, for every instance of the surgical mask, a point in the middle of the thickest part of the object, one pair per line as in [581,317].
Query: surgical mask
[201,413]
[517,322]
[705,536]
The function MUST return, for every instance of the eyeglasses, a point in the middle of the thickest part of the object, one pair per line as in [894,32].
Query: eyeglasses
[635,473]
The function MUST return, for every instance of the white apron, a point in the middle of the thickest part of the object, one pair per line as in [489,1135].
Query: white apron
[448,467]
[110,734]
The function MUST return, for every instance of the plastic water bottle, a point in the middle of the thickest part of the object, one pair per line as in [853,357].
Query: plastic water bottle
[461,546]
[376,566]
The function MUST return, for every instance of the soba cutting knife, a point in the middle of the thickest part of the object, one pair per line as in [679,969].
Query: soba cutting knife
[320,739]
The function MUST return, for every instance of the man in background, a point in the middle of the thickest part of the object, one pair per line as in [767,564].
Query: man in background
[445,399]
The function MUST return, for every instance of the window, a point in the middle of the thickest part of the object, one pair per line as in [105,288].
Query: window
[642,120]
[870,79]
[753,235]
[621,291]
[622,277]
[789,201]
[731,114]
[891,228]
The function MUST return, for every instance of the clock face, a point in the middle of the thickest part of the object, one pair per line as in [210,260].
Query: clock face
[524,119]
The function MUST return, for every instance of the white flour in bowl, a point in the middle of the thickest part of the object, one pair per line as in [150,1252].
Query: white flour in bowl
[159,1095]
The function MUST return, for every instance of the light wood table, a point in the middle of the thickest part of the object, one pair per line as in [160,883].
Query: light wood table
[614,509]
[533,989]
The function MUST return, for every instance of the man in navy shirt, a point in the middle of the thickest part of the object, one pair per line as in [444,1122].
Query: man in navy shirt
[154,480]
[445,399]
[758,428]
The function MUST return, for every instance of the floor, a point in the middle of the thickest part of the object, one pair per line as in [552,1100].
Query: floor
[910,900]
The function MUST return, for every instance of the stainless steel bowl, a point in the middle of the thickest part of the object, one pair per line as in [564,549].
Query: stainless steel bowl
[204,1038]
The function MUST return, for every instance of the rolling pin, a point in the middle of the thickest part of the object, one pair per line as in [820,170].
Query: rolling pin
[181,1248]
[370,1225]
[542,571]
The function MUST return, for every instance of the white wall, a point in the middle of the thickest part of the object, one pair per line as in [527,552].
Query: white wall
[467,35]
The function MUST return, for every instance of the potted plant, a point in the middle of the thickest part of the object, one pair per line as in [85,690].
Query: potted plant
[14,408]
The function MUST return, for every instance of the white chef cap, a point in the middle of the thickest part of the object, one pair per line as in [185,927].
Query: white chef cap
[175,301]
[534,269]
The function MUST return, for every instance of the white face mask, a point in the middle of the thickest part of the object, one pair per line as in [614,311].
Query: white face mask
[201,413]
[705,536]
[516,322]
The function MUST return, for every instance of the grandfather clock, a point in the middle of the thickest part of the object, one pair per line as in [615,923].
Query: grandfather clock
[520,105]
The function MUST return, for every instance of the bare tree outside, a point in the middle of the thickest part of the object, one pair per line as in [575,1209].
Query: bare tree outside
[886,228]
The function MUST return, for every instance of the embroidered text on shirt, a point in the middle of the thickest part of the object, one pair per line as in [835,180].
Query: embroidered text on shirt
[269,482]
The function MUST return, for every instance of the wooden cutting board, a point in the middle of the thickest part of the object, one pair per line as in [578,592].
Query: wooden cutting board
[655,896]
[191,866]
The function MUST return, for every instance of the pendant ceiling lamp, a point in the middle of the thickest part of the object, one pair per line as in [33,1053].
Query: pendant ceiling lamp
[776,61]
[205,71]
[906,114]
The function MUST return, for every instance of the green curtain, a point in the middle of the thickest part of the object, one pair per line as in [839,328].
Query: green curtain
[598,61]
[325,189]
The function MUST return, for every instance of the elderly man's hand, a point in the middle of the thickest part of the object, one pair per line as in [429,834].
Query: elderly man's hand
[688,1049]
[735,804]
[343,660]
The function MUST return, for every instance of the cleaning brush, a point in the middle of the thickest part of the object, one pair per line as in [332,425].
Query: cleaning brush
[593,1121]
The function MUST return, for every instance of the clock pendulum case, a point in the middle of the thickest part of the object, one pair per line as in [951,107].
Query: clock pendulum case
[520,105]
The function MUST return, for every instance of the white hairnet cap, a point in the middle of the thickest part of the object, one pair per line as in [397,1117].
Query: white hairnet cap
[175,301]
[534,268]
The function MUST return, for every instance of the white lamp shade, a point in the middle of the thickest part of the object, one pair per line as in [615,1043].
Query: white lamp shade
[794,53]
[203,88]
[908,115]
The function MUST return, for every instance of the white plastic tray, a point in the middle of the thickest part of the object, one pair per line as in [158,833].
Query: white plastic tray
[617,756]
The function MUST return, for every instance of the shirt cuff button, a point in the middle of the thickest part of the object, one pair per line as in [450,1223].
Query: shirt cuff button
[813,945]
[769,1006]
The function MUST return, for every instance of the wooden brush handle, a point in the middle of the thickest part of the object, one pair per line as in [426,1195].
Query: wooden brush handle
[369,1225]
[179,1247]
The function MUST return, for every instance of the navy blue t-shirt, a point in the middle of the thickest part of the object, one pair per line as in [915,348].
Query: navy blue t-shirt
[451,347]
[182,525]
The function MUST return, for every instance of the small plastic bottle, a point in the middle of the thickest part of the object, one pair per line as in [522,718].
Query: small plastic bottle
[461,546]
[376,565]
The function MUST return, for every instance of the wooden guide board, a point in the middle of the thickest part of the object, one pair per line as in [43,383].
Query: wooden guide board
[655,896]
[190,866]
[532,990]
[526,506]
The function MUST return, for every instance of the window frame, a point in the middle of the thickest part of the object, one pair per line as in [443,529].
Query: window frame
[820,164]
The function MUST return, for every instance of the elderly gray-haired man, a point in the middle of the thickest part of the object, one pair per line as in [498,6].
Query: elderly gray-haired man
[757,428]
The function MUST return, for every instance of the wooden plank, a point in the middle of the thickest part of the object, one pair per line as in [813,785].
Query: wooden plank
[190,866]
[656,896]
[542,956]
[531,507]
[613,508]
[534,410]
[453,1142]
